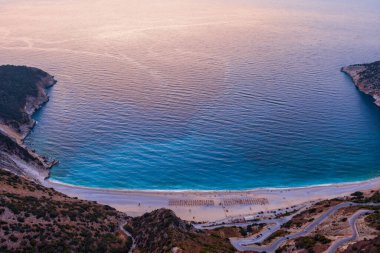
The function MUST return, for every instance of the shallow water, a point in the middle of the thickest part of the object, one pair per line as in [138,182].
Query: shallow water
[191,94]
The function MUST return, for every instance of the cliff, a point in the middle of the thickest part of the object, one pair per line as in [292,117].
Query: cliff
[366,77]
[22,92]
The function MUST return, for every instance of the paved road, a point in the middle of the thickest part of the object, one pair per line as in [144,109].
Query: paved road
[241,245]
[247,244]
[276,225]
[128,234]
[352,221]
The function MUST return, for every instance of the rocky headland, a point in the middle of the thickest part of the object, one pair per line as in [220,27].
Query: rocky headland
[22,93]
[366,77]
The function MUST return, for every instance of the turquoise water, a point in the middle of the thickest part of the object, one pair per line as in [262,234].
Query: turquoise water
[201,94]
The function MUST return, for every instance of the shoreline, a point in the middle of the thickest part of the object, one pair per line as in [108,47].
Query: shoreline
[138,202]
[56,182]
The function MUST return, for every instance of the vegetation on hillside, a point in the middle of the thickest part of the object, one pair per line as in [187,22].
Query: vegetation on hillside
[162,231]
[371,74]
[368,246]
[16,84]
[309,242]
[34,218]
[373,220]
[359,197]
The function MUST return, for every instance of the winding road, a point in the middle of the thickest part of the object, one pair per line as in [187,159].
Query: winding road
[129,235]
[247,244]
[244,244]
[337,244]
[276,225]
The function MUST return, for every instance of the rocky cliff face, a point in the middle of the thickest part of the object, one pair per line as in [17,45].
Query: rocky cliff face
[366,77]
[19,160]
[22,92]
[33,103]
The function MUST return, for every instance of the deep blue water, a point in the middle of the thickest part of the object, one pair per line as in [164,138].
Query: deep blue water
[256,101]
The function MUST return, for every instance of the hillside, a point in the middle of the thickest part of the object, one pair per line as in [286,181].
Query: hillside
[13,156]
[34,218]
[22,91]
[366,77]
[38,219]
[162,231]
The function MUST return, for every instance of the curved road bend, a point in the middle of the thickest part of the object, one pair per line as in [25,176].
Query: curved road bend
[129,235]
[240,245]
[276,225]
[337,244]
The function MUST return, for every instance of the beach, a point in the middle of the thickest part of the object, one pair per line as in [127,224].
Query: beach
[195,205]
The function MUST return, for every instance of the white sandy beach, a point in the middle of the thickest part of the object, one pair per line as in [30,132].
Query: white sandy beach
[135,202]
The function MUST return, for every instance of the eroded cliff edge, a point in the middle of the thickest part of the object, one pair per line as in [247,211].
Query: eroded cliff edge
[366,77]
[22,92]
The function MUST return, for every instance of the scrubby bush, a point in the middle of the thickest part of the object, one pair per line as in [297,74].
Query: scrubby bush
[16,84]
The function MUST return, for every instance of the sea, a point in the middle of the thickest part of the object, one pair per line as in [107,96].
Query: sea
[200,94]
